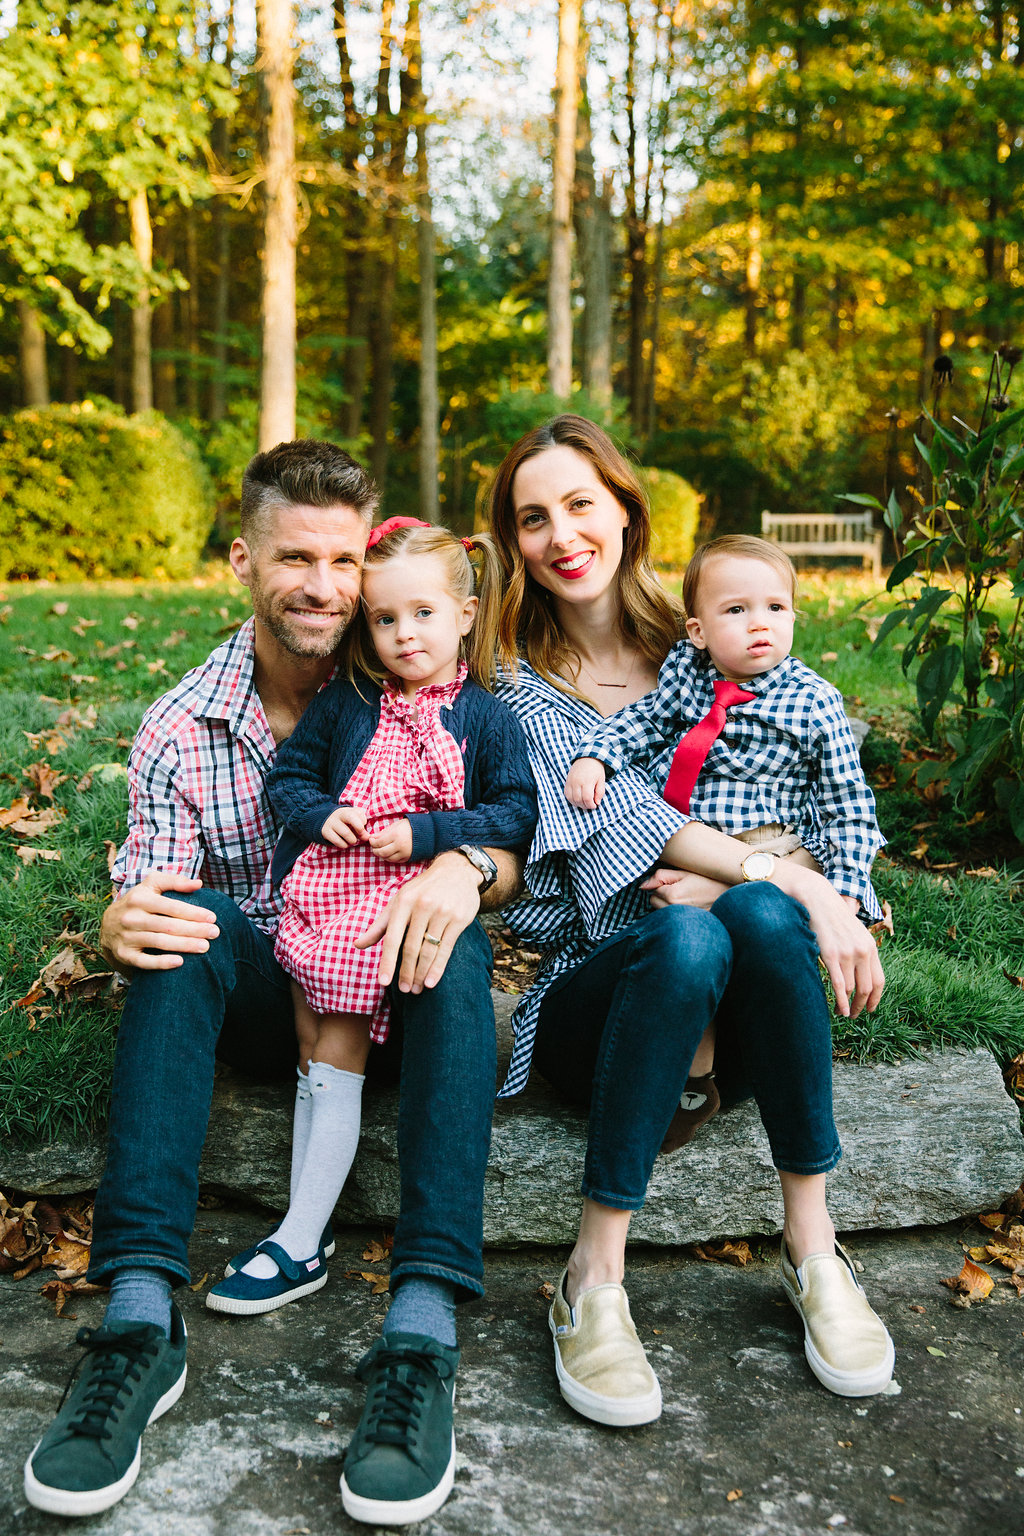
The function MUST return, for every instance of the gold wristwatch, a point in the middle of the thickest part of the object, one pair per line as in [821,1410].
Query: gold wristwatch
[759,865]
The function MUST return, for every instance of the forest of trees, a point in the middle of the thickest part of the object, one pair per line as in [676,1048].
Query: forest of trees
[740,230]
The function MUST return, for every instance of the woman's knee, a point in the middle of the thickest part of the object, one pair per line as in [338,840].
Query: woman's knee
[686,939]
[761,912]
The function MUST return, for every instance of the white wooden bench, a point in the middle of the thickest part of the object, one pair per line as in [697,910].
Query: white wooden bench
[826,533]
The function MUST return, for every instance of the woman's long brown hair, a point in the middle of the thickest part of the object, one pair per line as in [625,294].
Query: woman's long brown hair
[651,618]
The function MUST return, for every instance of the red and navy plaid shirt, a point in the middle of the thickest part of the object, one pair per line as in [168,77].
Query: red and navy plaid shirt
[197,800]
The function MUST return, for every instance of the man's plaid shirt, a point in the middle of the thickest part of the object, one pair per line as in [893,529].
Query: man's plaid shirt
[788,756]
[197,800]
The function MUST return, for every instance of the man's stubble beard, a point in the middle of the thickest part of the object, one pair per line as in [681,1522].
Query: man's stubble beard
[308,647]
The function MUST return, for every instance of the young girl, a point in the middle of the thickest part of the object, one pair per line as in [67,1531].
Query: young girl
[406,757]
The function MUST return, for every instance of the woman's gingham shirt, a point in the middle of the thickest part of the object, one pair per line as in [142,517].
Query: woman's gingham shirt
[787,756]
[197,800]
[584,867]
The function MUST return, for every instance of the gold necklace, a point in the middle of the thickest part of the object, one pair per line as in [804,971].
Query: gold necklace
[597,681]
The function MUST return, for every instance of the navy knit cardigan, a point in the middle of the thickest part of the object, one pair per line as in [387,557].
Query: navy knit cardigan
[318,759]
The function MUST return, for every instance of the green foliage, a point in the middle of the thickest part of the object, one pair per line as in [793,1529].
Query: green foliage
[961,548]
[800,425]
[517,411]
[675,512]
[88,491]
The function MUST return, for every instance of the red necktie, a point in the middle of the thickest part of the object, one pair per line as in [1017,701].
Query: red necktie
[696,744]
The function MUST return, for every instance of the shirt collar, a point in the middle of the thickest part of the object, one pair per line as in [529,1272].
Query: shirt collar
[763,683]
[231,687]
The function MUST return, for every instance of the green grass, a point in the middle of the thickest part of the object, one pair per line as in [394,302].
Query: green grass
[955,933]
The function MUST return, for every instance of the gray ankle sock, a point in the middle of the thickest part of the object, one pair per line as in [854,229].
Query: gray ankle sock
[139,1295]
[423,1305]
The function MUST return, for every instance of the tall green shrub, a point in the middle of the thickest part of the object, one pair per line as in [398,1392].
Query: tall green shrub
[675,511]
[86,491]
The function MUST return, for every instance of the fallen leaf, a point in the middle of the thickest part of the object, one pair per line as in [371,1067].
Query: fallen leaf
[378,1253]
[81,626]
[45,778]
[724,1251]
[59,610]
[378,1283]
[972,1281]
[546,1292]
[894,1498]
[884,924]
[111,849]
[69,1256]
[130,621]
[197,1285]
[56,655]
[939,1353]
[29,855]
[50,741]
[1016,981]
[14,811]
[916,1308]
[993,1220]
[733,1495]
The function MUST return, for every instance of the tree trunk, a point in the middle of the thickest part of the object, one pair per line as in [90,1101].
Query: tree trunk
[142,313]
[354,214]
[390,140]
[35,386]
[427,271]
[221,144]
[70,386]
[277,376]
[560,274]
[636,236]
[190,313]
[592,222]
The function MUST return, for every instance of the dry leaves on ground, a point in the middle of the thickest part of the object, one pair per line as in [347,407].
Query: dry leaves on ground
[1004,1246]
[514,967]
[67,975]
[723,1250]
[48,1235]
[375,1252]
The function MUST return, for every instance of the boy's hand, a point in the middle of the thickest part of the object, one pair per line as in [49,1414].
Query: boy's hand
[394,843]
[584,785]
[344,827]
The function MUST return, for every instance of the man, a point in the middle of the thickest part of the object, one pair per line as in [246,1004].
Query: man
[192,923]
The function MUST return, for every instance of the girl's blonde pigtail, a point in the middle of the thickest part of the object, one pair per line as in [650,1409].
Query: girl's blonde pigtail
[482,640]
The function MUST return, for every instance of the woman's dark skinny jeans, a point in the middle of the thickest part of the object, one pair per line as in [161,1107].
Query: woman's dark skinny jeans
[619,1032]
[234,1003]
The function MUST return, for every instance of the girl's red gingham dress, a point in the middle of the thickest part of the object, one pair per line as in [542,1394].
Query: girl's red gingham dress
[332,895]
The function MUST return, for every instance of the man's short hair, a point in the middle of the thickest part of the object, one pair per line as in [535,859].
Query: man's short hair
[304,473]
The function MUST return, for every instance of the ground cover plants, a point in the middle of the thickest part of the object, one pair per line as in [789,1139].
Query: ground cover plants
[78,664]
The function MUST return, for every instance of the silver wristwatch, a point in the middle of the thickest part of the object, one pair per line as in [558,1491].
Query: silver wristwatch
[759,865]
[481,861]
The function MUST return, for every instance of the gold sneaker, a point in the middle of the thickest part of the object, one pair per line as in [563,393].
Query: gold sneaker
[602,1370]
[847,1345]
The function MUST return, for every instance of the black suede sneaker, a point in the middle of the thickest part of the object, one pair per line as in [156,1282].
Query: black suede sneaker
[89,1456]
[400,1464]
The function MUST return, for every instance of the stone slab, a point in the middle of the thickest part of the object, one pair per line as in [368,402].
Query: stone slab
[924,1143]
[748,1443]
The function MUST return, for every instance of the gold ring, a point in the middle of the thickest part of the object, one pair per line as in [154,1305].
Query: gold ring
[430,938]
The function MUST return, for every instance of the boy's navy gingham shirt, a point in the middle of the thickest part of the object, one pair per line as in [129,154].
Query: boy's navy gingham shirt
[584,868]
[197,800]
[787,755]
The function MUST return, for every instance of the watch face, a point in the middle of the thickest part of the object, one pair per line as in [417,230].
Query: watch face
[758,866]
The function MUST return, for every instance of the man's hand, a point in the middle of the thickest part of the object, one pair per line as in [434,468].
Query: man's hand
[145,918]
[584,784]
[393,843]
[344,827]
[437,905]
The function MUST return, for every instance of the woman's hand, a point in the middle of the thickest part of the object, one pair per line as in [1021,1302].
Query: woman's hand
[848,950]
[677,887]
[344,827]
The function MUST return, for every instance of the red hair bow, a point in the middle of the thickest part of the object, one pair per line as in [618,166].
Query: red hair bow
[389,525]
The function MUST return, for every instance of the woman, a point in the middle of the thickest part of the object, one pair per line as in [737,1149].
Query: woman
[636,970]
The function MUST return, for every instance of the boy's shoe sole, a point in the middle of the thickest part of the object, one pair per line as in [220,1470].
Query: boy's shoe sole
[397,1511]
[64,1501]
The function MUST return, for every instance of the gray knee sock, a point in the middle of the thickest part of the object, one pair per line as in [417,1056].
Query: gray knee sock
[139,1295]
[423,1305]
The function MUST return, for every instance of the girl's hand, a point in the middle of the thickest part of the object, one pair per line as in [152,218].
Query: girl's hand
[394,843]
[584,785]
[344,827]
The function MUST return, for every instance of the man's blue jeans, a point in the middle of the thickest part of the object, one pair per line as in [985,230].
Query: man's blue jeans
[234,1003]
[619,1032]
